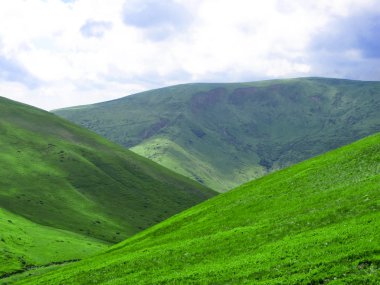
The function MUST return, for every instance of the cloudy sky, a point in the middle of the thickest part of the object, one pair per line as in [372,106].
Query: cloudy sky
[57,53]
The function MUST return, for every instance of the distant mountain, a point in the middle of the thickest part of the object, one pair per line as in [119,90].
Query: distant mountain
[312,223]
[61,182]
[225,134]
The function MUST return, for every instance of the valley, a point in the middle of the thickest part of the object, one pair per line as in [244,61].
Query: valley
[147,142]
[312,223]
[63,185]
[76,208]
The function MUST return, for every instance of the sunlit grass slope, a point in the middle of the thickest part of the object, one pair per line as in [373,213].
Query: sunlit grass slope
[56,174]
[24,244]
[316,222]
[223,135]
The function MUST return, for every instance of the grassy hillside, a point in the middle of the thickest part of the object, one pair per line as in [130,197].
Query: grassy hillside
[225,134]
[56,174]
[316,222]
[24,244]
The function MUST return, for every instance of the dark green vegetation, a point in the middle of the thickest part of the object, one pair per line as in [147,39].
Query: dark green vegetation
[225,134]
[66,192]
[316,222]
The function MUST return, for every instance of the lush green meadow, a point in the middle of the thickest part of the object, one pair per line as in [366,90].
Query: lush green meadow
[316,222]
[69,192]
[24,244]
[223,135]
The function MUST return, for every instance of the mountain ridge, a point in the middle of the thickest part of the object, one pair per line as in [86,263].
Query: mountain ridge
[212,83]
[224,134]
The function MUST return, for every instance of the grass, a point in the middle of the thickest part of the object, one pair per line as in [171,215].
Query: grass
[24,243]
[316,222]
[59,175]
[223,135]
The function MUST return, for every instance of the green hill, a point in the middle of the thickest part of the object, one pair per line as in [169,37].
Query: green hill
[24,244]
[316,222]
[63,182]
[223,135]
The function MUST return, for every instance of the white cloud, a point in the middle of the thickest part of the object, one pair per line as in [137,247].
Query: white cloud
[219,40]
[95,29]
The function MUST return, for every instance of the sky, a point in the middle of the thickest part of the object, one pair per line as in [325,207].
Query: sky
[60,53]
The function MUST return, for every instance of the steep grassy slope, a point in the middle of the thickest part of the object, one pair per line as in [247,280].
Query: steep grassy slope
[225,134]
[316,222]
[56,174]
[24,244]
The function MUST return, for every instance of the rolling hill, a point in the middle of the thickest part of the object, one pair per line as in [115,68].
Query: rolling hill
[62,183]
[316,222]
[225,134]
[24,244]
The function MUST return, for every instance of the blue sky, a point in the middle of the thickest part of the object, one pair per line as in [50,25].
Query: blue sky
[56,53]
